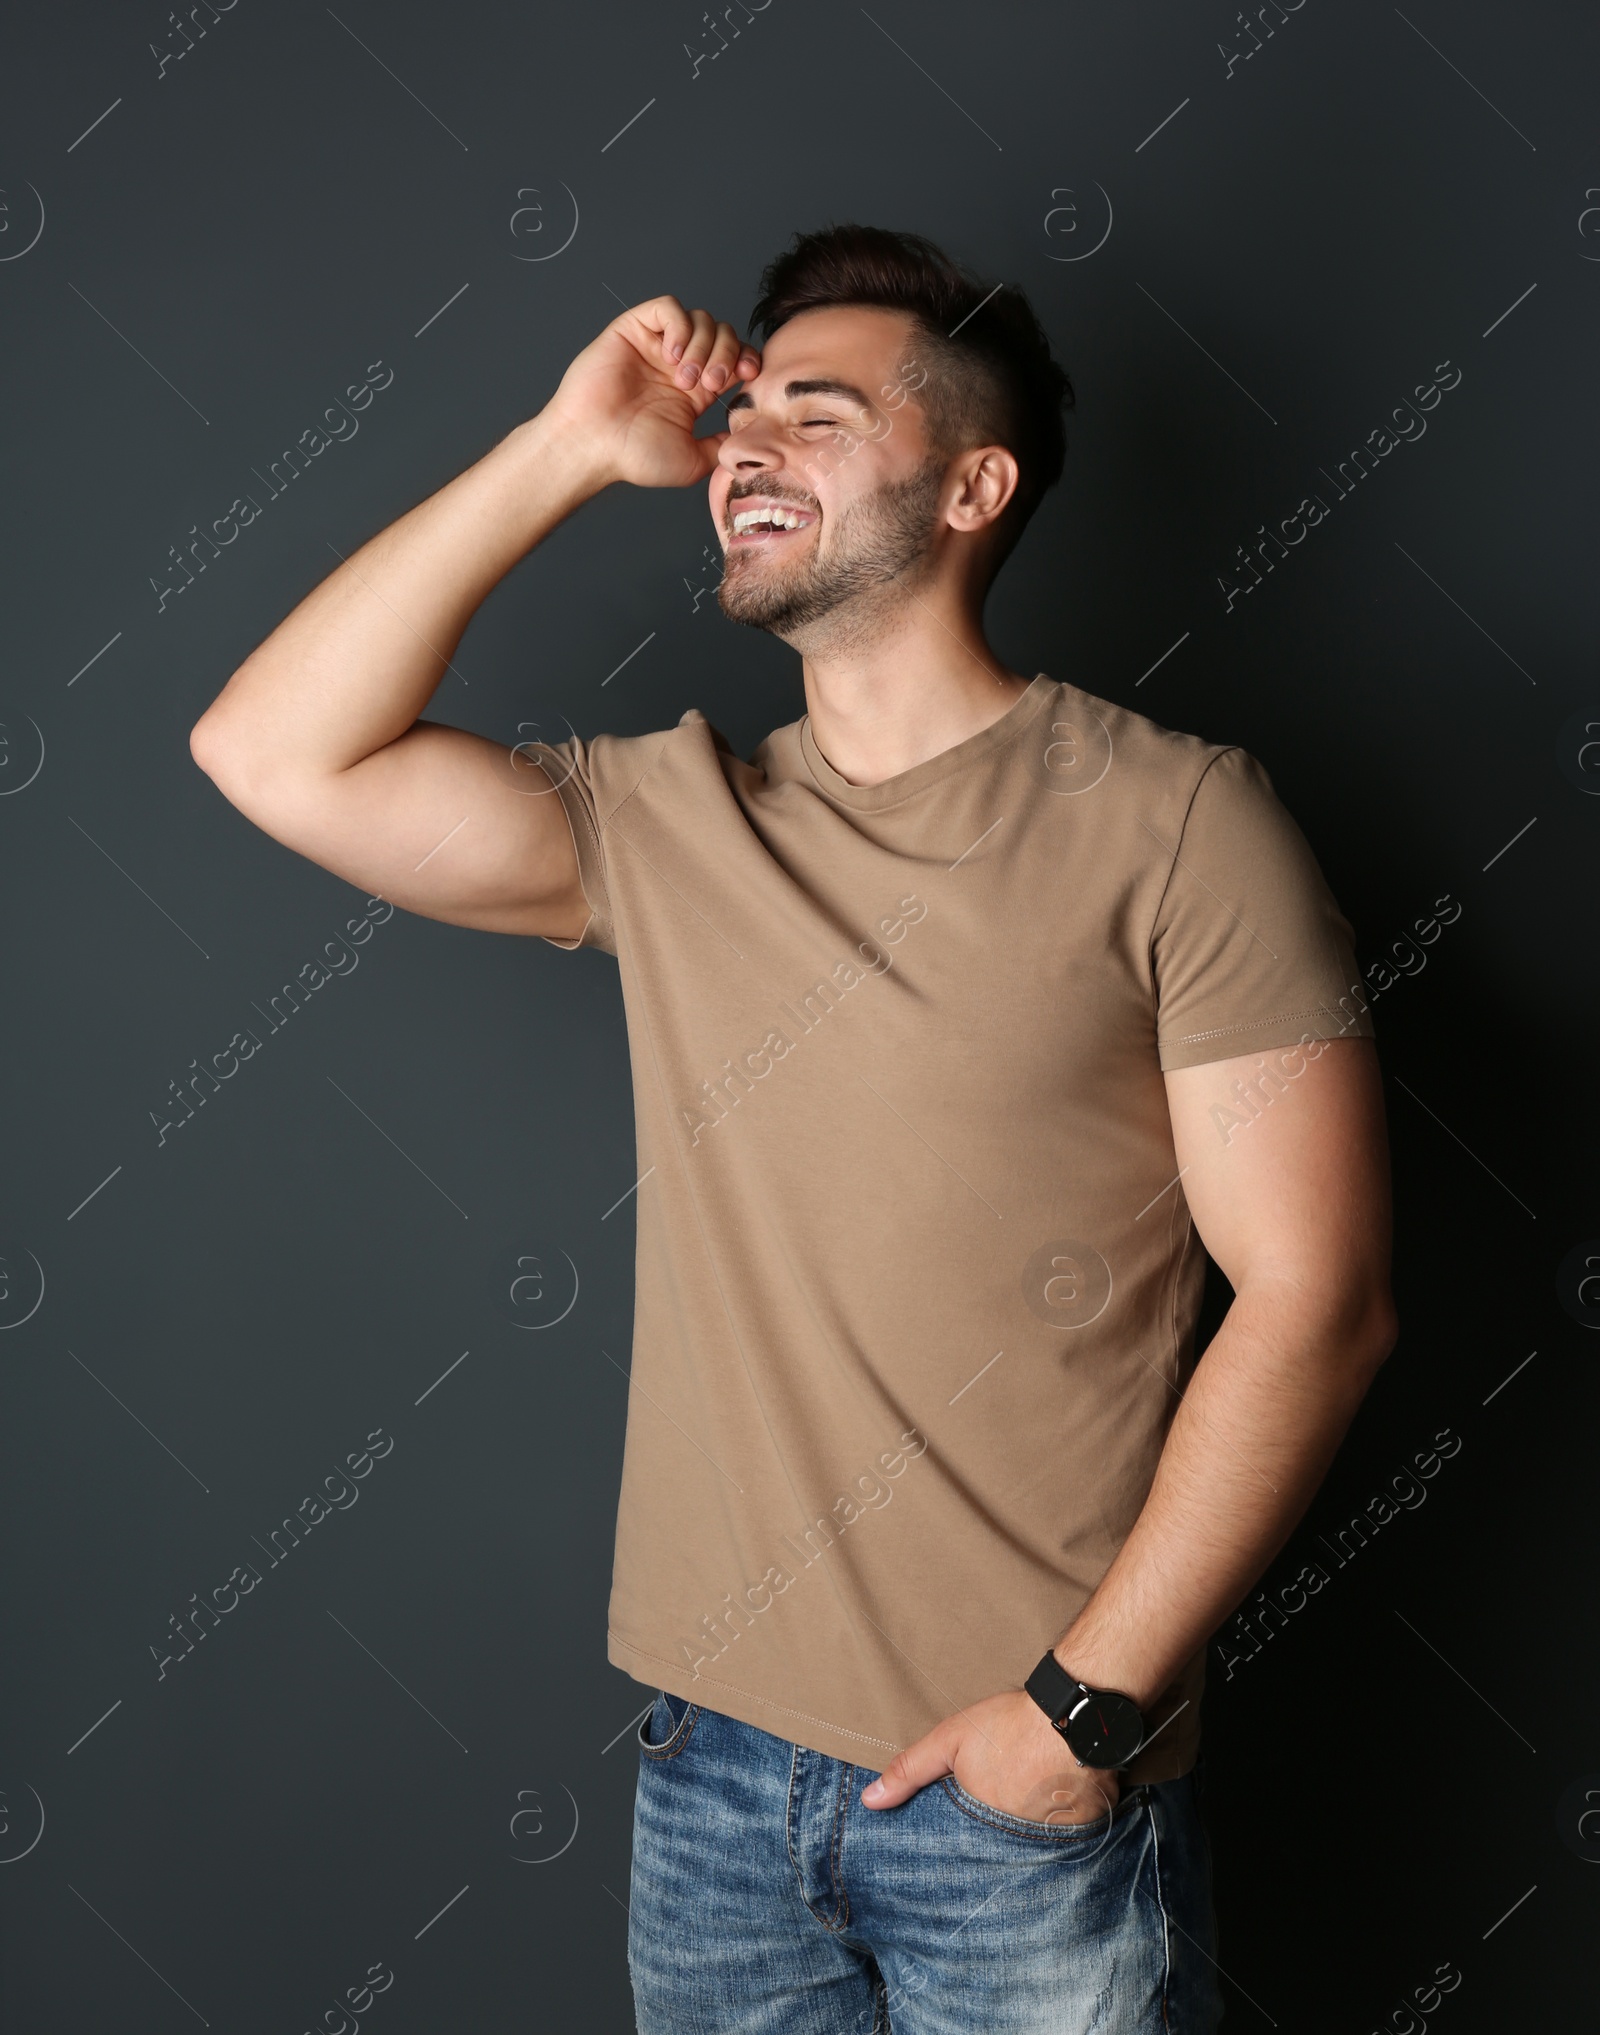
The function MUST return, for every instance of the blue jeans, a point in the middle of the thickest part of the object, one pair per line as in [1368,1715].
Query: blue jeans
[767,1901]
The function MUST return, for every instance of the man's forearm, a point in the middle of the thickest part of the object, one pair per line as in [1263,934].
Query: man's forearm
[1248,1447]
[352,667]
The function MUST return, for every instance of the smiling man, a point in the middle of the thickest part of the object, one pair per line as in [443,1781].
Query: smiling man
[935,1005]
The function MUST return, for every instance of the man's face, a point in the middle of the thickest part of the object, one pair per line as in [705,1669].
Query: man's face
[826,492]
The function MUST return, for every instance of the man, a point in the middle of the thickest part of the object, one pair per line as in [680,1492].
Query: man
[965,1016]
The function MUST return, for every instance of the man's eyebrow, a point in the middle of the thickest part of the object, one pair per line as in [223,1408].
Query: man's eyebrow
[821,386]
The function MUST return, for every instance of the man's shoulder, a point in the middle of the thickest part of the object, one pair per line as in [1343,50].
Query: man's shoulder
[1148,742]
[1190,792]
[1147,758]
[614,766]
[667,764]
[697,742]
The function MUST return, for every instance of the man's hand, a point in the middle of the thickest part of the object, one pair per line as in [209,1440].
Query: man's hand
[634,395]
[1005,1751]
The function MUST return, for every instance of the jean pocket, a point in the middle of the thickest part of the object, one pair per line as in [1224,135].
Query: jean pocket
[666,1727]
[1079,1838]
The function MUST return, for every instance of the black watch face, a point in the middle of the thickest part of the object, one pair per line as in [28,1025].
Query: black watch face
[1106,1731]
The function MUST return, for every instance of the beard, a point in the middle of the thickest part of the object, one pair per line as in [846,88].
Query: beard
[876,544]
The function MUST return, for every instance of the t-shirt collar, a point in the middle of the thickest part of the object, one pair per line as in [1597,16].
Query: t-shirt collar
[874,797]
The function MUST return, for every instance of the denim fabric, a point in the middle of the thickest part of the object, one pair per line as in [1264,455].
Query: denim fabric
[768,1901]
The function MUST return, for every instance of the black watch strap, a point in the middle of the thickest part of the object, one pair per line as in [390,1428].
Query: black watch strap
[1102,1727]
[1054,1690]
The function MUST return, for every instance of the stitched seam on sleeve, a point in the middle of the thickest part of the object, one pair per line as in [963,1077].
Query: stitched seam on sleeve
[604,917]
[1155,920]
[566,804]
[1282,1017]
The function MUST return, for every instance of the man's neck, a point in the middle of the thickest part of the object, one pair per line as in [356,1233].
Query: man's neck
[922,682]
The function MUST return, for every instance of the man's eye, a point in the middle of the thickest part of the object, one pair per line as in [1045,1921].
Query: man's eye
[831,423]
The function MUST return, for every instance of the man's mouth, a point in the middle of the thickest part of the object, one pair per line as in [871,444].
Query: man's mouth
[758,522]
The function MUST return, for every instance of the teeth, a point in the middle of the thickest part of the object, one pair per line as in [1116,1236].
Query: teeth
[778,519]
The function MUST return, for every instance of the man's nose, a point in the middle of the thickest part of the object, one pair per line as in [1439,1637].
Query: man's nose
[753,448]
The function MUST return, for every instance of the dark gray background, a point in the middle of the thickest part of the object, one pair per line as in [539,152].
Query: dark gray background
[231,1312]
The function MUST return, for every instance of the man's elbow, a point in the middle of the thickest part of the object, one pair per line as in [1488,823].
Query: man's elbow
[206,746]
[1368,1331]
[1383,1329]
[227,756]
[1350,1321]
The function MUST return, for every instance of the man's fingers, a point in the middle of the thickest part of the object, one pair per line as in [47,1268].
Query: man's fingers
[668,317]
[724,358]
[698,350]
[912,1769]
[706,350]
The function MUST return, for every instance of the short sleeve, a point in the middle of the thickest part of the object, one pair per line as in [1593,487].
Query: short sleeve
[1249,950]
[570,766]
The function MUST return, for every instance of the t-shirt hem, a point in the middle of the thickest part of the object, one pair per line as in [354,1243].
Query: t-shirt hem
[1260,1035]
[781,1720]
[817,1734]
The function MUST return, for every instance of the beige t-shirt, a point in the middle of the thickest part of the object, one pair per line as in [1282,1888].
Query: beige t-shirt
[914,1284]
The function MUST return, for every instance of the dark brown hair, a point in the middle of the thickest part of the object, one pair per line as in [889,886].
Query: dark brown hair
[991,376]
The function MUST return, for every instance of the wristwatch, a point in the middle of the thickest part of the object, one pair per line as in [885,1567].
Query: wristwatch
[1102,1727]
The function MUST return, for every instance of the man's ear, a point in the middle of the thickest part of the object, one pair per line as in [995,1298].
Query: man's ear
[986,479]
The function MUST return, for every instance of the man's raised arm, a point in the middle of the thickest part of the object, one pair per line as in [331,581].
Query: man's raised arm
[316,736]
